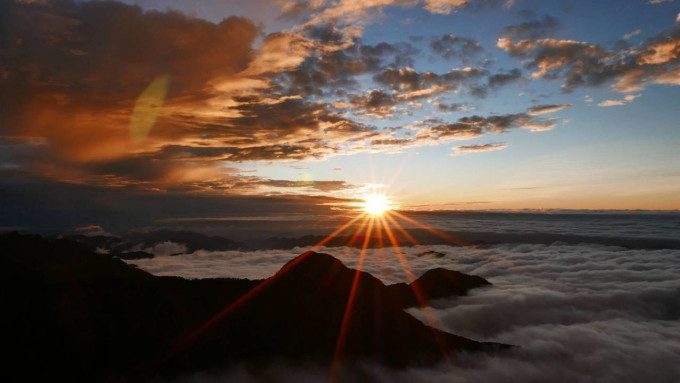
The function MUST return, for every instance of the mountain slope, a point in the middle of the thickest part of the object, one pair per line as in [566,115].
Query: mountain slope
[90,316]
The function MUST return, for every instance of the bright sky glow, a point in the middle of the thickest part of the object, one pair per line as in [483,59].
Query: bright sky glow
[376,204]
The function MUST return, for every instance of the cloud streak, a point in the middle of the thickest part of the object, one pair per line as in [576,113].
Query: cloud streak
[480,148]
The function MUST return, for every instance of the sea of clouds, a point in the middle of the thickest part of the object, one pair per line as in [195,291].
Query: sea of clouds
[606,224]
[578,312]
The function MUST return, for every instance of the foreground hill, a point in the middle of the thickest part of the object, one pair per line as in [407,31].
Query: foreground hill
[87,316]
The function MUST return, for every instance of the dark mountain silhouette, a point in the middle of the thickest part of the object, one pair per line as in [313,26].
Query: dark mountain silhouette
[462,238]
[94,242]
[87,316]
[128,245]
[130,255]
[434,284]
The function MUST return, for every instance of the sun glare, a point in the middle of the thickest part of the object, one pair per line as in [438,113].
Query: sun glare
[376,204]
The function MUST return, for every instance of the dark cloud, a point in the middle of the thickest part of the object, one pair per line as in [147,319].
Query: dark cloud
[73,70]
[533,29]
[376,103]
[294,122]
[480,148]
[69,87]
[413,84]
[476,126]
[43,205]
[501,79]
[435,130]
[478,91]
[81,51]
[543,109]
[325,73]
[449,108]
[325,34]
[455,47]
[403,142]
[551,57]
[324,186]
[583,64]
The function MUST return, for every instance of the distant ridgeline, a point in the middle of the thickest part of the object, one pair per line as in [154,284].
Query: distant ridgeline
[74,313]
[138,245]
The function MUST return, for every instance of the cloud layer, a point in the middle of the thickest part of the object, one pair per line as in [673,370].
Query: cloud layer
[579,312]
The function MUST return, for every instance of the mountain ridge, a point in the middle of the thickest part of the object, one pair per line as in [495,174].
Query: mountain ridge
[91,316]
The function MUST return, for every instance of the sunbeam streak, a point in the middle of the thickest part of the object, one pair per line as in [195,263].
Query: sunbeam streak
[178,347]
[432,230]
[430,317]
[337,355]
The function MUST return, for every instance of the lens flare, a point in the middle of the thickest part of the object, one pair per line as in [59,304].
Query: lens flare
[147,108]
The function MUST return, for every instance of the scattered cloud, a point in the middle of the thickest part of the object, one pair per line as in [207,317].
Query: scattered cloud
[479,148]
[411,84]
[164,249]
[348,11]
[607,103]
[501,79]
[450,108]
[627,99]
[582,64]
[435,131]
[631,34]
[544,109]
[376,103]
[444,6]
[455,47]
[533,29]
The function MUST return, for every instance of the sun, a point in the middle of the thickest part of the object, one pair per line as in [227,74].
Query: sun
[376,204]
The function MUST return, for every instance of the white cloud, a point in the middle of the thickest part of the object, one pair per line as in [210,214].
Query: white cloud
[579,312]
[632,34]
[608,103]
[167,248]
[624,101]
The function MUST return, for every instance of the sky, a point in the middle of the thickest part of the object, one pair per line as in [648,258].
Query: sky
[171,109]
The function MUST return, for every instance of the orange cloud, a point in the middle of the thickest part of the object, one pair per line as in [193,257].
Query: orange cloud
[74,79]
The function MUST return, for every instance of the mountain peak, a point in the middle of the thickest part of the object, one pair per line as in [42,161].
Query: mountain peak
[124,318]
